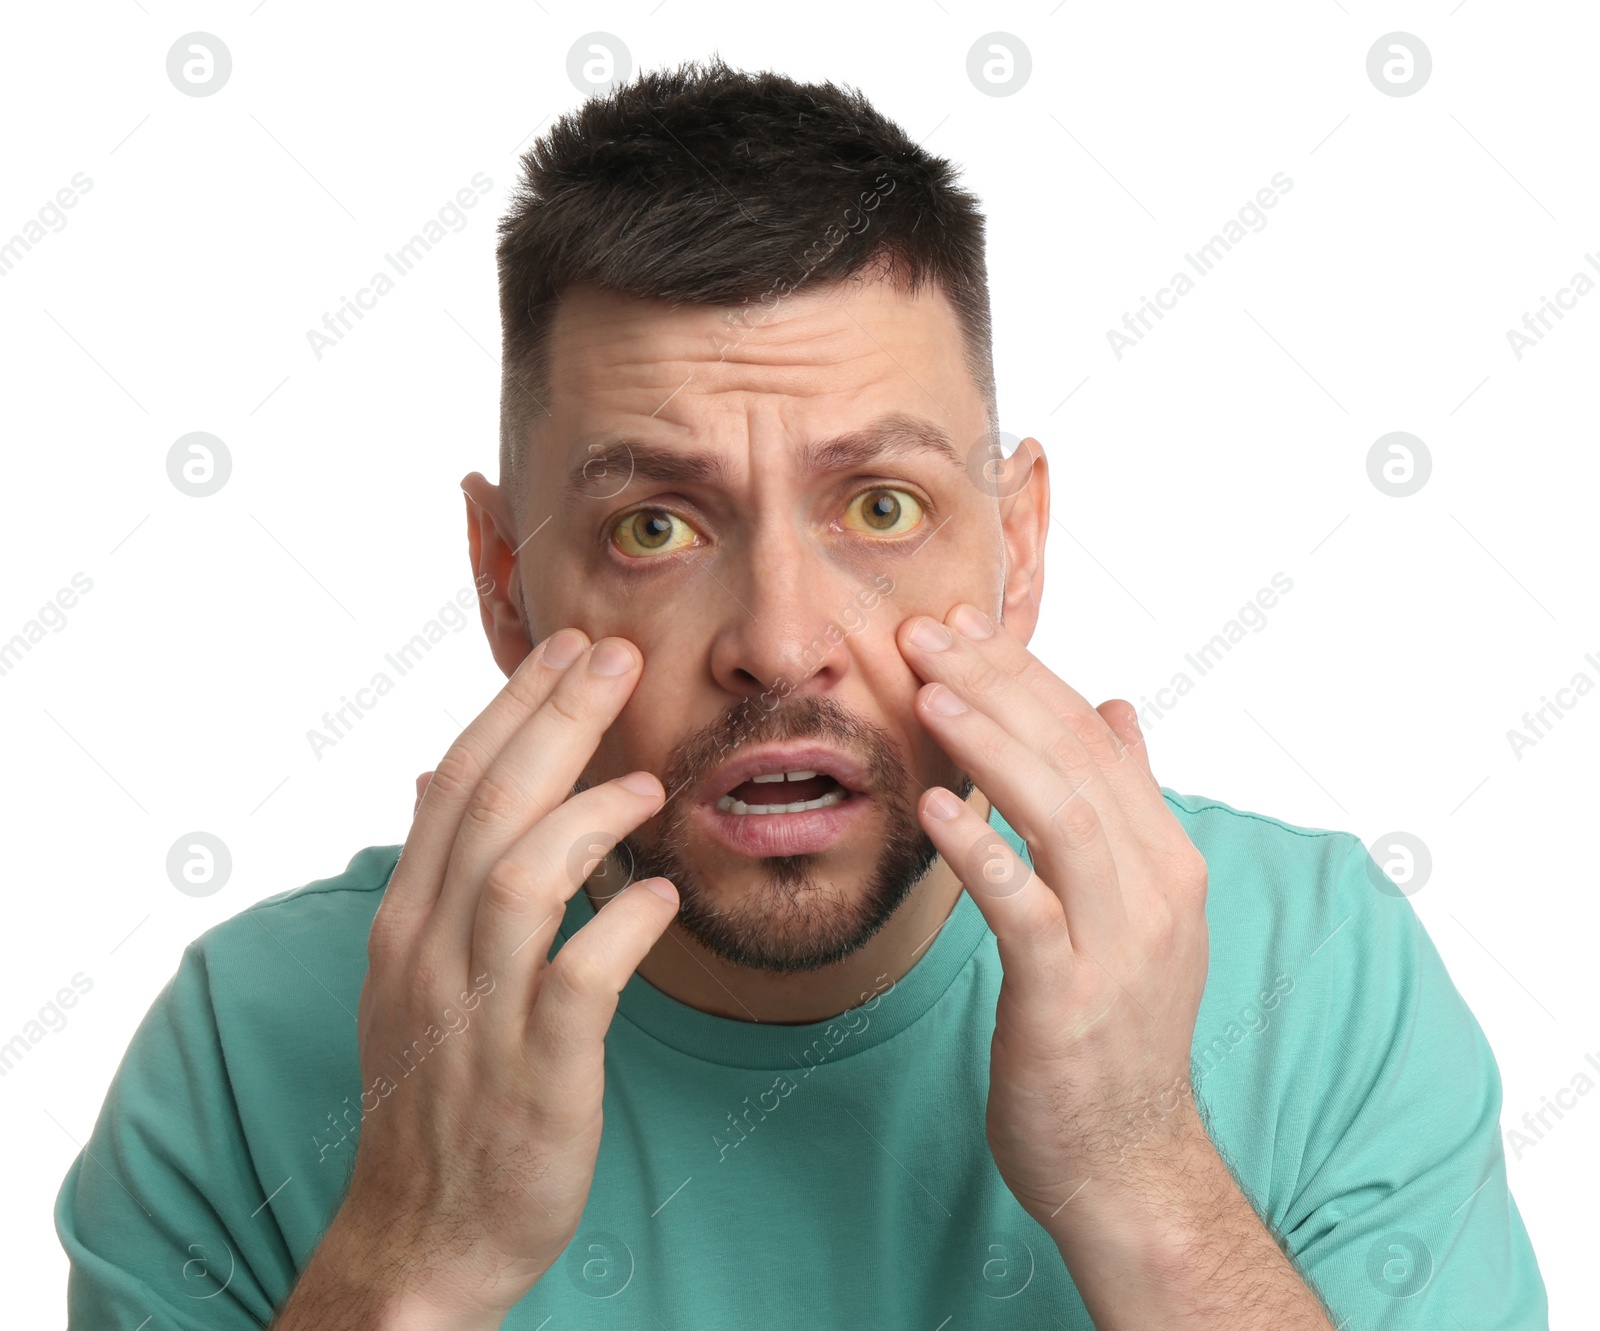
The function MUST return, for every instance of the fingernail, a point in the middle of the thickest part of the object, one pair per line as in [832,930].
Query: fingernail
[662,888]
[610,658]
[973,623]
[931,636]
[641,783]
[562,650]
[943,805]
[944,702]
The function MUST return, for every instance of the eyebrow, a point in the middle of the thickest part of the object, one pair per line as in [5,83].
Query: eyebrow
[895,435]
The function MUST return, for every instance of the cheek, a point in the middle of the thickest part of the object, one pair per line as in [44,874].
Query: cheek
[935,766]
[886,693]
[670,702]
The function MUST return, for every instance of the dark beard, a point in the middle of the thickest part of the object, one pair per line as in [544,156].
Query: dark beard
[791,922]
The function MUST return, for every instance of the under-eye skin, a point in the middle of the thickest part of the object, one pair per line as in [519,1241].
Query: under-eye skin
[882,511]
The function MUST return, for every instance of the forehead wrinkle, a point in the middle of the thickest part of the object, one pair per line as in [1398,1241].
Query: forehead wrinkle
[891,436]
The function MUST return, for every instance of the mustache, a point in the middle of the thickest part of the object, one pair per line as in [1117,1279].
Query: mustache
[812,717]
[816,717]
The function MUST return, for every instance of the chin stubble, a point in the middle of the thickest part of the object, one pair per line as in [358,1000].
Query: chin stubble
[789,921]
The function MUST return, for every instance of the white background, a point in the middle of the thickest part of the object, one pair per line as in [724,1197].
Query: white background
[1229,445]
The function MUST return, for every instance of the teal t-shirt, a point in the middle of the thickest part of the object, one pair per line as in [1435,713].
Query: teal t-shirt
[833,1174]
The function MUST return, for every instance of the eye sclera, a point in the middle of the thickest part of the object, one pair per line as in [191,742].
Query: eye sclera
[621,522]
[916,500]
[617,524]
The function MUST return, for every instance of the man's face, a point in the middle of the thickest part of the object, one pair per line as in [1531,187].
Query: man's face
[764,596]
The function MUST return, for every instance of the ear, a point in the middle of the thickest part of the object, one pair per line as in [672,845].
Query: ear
[491,536]
[1025,522]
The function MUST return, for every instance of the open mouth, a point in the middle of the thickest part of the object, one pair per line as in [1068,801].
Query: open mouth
[787,799]
[783,792]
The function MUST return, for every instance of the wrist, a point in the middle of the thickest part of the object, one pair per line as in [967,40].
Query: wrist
[357,1279]
[1155,1206]
[1145,1244]
[416,1311]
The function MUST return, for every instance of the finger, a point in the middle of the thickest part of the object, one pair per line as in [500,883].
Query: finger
[1123,718]
[414,887]
[1055,805]
[1031,931]
[1085,755]
[527,780]
[422,789]
[1144,808]
[525,891]
[1037,769]
[578,991]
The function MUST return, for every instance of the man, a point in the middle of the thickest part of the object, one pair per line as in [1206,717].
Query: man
[897,993]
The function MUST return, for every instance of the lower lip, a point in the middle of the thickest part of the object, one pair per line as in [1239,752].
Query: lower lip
[804,833]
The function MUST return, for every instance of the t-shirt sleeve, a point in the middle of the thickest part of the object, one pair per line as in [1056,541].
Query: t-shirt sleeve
[155,1213]
[1402,1216]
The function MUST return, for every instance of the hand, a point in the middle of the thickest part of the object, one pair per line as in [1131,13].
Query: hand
[1104,946]
[473,1167]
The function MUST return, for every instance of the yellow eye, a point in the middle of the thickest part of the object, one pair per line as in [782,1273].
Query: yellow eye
[887,512]
[649,531]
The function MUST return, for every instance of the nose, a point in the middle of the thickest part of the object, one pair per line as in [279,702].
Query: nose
[792,613]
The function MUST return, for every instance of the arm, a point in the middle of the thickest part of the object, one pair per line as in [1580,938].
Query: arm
[1105,956]
[1397,1214]
[471,1175]
[472,1170]
[355,1285]
[1172,1242]
[1399,1206]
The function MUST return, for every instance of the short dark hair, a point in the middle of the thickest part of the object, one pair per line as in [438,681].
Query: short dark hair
[716,186]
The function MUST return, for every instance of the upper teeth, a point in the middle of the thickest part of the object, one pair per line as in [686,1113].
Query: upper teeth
[730,805]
